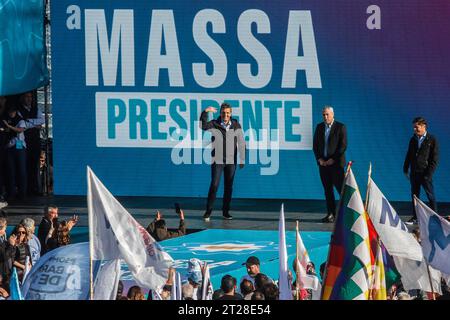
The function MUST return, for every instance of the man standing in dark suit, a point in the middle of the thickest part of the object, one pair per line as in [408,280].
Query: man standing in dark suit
[329,145]
[227,137]
[420,163]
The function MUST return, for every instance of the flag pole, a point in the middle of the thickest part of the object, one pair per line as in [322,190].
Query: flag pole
[325,274]
[429,279]
[91,243]
[428,267]
[297,261]
[366,204]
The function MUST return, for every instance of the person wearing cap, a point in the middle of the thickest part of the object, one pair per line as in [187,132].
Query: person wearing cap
[194,284]
[16,157]
[253,268]
[194,278]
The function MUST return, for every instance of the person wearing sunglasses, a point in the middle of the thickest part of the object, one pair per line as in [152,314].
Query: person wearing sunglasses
[22,251]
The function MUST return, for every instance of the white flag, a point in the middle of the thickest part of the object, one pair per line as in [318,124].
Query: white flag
[390,228]
[434,236]
[304,280]
[283,282]
[414,275]
[207,288]
[107,281]
[174,290]
[179,287]
[109,221]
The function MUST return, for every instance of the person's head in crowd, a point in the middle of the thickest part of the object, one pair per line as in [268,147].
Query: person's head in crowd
[135,293]
[3,225]
[194,272]
[119,290]
[246,287]
[217,294]
[27,99]
[29,224]
[403,296]
[258,295]
[322,269]
[161,224]
[311,268]
[21,233]
[51,212]
[195,278]
[416,234]
[166,291]
[253,266]
[260,280]
[123,298]
[271,291]
[187,292]
[228,285]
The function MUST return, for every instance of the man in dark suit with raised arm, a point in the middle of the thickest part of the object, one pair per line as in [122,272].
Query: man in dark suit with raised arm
[329,145]
[227,137]
[420,163]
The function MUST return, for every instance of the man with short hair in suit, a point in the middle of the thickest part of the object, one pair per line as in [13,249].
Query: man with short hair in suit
[227,138]
[329,145]
[420,163]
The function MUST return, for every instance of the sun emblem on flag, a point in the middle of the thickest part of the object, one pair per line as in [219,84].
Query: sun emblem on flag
[234,247]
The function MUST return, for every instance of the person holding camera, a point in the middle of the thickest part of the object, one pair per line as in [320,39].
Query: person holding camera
[158,229]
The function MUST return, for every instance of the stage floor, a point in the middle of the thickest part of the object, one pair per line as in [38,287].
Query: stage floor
[248,214]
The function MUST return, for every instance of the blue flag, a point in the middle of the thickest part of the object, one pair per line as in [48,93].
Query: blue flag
[14,286]
[434,236]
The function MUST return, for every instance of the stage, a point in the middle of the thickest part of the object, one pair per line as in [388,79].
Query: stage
[248,214]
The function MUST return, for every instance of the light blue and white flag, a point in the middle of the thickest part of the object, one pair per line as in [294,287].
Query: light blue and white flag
[283,282]
[61,274]
[394,234]
[434,236]
[107,280]
[114,234]
[14,287]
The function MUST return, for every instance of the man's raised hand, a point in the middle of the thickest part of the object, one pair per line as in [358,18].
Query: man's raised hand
[210,109]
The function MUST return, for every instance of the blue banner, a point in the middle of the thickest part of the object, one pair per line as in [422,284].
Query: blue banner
[130,79]
[22,46]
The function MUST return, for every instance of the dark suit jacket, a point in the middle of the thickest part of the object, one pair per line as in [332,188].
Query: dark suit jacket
[6,256]
[423,160]
[237,135]
[337,142]
[43,230]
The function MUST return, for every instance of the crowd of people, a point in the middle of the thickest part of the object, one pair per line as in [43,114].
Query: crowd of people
[23,248]
[23,165]
[257,286]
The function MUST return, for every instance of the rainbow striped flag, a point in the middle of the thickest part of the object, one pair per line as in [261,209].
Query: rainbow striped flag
[349,269]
